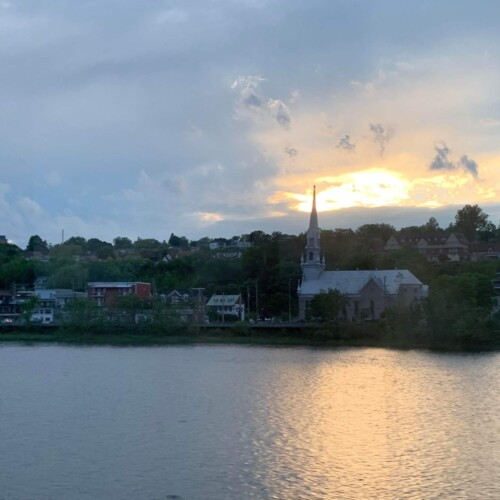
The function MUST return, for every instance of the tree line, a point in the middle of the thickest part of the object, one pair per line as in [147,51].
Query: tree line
[266,274]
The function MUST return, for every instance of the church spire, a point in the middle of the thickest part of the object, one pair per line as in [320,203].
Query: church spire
[313,222]
[312,264]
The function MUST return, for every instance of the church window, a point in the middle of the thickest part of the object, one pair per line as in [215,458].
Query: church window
[310,256]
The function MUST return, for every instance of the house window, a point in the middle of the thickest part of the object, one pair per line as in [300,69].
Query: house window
[372,307]
[310,256]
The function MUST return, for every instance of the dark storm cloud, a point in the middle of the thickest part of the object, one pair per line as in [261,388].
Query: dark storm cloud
[442,162]
[346,144]
[381,136]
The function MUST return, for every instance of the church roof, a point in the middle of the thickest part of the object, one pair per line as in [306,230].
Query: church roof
[352,282]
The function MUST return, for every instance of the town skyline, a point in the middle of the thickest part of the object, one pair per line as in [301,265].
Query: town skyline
[215,119]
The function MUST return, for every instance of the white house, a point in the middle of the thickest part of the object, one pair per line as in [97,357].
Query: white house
[369,293]
[230,307]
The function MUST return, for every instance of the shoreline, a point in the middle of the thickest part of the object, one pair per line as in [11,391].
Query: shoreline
[305,337]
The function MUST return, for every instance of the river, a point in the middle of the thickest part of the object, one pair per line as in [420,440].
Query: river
[229,422]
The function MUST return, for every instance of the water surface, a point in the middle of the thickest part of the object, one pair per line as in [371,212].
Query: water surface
[223,422]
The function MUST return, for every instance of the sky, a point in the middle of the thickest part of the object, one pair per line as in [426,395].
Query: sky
[216,117]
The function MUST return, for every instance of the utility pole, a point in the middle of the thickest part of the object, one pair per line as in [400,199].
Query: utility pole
[257,299]
[223,306]
[289,300]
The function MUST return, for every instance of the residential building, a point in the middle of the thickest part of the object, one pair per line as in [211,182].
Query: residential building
[216,245]
[435,247]
[484,251]
[227,307]
[105,293]
[369,293]
[10,310]
[190,303]
[51,302]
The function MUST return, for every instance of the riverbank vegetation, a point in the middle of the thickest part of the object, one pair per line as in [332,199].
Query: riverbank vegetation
[265,270]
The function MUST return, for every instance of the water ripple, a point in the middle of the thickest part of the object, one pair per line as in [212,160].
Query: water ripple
[247,423]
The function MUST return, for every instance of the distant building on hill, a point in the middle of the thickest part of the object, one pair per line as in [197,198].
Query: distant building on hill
[434,247]
[105,293]
[369,293]
[3,239]
[484,251]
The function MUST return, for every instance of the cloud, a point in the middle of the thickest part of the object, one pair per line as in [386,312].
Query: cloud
[248,87]
[469,165]
[29,207]
[381,135]
[442,162]
[251,100]
[291,152]
[346,144]
[280,112]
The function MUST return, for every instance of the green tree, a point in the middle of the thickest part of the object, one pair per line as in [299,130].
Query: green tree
[130,306]
[27,308]
[71,276]
[432,225]
[150,248]
[375,232]
[36,244]
[178,241]
[66,251]
[459,307]
[94,244]
[488,233]
[470,220]
[80,314]
[122,243]
[327,306]
[16,270]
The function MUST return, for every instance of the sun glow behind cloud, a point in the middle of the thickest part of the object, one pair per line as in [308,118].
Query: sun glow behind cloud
[381,188]
[371,188]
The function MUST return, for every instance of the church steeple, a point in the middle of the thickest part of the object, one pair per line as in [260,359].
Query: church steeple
[312,264]
[313,221]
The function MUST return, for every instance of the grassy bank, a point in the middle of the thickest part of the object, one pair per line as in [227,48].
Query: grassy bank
[347,335]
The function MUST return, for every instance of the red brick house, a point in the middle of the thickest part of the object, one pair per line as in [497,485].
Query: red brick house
[105,293]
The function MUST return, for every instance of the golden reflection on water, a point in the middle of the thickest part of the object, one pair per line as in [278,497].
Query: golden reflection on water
[217,423]
[364,426]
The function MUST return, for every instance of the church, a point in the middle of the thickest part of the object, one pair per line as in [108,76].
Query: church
[369,293]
